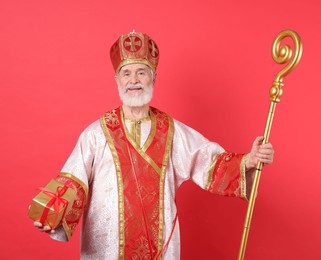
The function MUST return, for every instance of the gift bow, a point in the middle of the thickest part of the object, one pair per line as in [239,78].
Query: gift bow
[56,200]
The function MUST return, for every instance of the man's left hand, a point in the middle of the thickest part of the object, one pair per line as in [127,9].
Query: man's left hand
[263,153]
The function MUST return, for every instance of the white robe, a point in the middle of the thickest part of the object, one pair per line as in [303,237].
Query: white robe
[91,161]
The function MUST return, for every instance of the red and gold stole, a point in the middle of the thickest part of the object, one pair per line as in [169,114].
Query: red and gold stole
[140,177]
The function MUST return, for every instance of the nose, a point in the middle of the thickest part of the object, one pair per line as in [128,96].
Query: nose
[134,78]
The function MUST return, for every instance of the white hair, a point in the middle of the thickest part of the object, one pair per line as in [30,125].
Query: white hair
[136,100]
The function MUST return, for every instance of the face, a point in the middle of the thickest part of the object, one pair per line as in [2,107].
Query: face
[135,84]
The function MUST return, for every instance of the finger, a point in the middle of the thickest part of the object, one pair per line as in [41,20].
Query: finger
[265,151]
[41,227]
[46,228]
[264,155]
[267,155]
[37,224]
[258,140]
[267,146]
[265,158]
[266,161]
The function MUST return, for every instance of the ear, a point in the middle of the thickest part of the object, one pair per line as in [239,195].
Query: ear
[116,78]
[154,78]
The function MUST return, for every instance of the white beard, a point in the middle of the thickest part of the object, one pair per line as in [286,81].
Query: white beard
[137,100]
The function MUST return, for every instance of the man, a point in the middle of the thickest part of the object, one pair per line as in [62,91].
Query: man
[131,162]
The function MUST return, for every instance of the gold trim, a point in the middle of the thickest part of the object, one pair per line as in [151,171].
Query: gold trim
[135,127]
[66,229]
[152,131]
[131,61]
[132,129]
[120,187]
[138,149]
[169,140]
[130,120]
[82,184]
[243,177]
[135,130]
[210,172]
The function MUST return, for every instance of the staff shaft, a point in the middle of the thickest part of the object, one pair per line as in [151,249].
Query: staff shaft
[255,185]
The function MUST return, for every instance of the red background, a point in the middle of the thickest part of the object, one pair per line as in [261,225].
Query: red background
[214,74]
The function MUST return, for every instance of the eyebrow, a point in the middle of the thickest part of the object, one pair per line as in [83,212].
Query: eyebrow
[125,71]
[139,69]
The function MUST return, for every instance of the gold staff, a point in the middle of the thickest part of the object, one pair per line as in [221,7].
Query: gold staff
[280,55]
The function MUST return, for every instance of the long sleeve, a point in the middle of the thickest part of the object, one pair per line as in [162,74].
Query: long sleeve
[80,162]
[77,168]
[207,163]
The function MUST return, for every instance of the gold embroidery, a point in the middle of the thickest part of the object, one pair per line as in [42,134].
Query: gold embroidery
[169,140]
[139,149]
[120,186]
[66,229]
[162,119]
[111,119]
[71,220]
[82,184]
[144,119]
[135,130]
[243,177]
[135,127]
[151,133]
[210,173]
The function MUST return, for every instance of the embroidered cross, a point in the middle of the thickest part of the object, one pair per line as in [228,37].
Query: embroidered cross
[132,43]
[153,48]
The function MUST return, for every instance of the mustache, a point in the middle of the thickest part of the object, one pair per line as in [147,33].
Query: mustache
[134,86]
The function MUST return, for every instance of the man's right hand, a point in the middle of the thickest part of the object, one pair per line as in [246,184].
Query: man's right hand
[43,228]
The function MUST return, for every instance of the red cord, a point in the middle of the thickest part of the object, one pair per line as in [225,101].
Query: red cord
[169,239]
